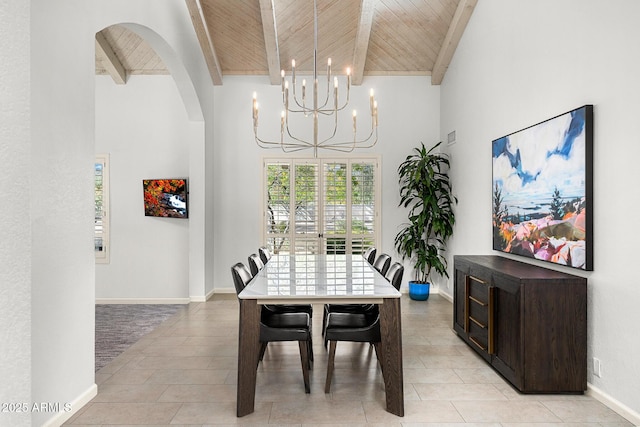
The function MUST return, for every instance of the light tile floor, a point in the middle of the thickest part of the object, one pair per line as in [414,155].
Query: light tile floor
[184,373]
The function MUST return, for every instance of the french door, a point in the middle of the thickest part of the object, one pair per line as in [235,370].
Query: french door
[319,206]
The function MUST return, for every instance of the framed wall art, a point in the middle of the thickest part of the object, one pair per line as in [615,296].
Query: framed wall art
[165,198]
[542,192]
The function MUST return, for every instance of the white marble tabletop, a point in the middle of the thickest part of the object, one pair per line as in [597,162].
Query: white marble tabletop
[336,279]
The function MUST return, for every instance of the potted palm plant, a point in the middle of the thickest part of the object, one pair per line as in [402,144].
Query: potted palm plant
[425,189]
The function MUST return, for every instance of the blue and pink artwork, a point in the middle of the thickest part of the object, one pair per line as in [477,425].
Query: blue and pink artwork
[542,190]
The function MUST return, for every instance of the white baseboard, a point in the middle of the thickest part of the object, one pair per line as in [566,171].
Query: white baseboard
[61,417]
[225,290]
[433,291]
[446,296]
[143,300]
[618,407]
[202,298]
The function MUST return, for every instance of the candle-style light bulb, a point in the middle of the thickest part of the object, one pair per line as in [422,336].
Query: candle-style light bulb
[354,122]
[371,100]
[255,106]
[293,71]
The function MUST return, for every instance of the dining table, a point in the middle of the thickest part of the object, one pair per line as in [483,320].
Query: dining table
[319,279]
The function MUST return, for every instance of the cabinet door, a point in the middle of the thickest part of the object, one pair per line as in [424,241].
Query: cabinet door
[459,300]
[507,357]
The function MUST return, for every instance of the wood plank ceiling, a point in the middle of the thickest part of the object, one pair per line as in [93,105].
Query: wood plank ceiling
[261,37]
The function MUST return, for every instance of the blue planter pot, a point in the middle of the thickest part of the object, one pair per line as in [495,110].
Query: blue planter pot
[419,291]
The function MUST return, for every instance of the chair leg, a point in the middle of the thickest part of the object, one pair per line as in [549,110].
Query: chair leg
[263,347]
[304,358]
[379,355]
[310,348]
[325,317]
[324,320]
[330,366]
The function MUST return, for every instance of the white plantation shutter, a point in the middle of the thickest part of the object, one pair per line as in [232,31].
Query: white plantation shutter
[336,192]
[321,205]
[305,205]
[101,219]
[278,206]
[363,205]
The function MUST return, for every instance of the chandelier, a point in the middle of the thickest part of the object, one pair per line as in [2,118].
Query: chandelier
[327,105]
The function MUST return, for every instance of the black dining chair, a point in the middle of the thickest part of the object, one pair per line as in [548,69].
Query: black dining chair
[280,326]
[265,254]
[255,264]
[344,308]
[354,327]
[370,255]
[382,263]
[394,274]
[241,276]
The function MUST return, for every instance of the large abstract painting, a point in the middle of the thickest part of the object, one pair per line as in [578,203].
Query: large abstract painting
[542,190]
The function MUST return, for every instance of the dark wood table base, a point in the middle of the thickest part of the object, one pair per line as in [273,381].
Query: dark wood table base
[390,349]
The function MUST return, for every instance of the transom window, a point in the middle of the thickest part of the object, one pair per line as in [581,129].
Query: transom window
[319,206]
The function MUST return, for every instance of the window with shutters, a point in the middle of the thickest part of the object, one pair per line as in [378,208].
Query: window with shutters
[320,206]
[101,220]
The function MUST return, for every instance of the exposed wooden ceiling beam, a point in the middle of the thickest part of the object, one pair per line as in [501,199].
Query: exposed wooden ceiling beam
[454,34]
[109,60]
[362,40]
[267,11]
[206,44]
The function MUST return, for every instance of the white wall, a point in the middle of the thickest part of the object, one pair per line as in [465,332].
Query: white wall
[15,227]
[409,113]
[61,191]
[521,62]
[170,32]
[47,155]
[144,128]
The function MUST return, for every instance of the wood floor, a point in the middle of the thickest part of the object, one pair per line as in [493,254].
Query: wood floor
[184,373]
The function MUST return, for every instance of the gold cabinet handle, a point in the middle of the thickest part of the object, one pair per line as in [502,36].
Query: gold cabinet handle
[473,340]
[477,322]
[477,301]
[477,280]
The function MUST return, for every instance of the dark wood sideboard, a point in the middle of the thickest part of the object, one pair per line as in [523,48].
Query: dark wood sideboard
[528,322]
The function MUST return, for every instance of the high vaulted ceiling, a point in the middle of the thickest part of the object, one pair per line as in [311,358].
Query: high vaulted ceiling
[261,37]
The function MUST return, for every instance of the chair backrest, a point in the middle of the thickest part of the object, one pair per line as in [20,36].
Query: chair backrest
[382,263]
[241,276]
[255,264]
[265,254]
[394,274]
[370,255]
